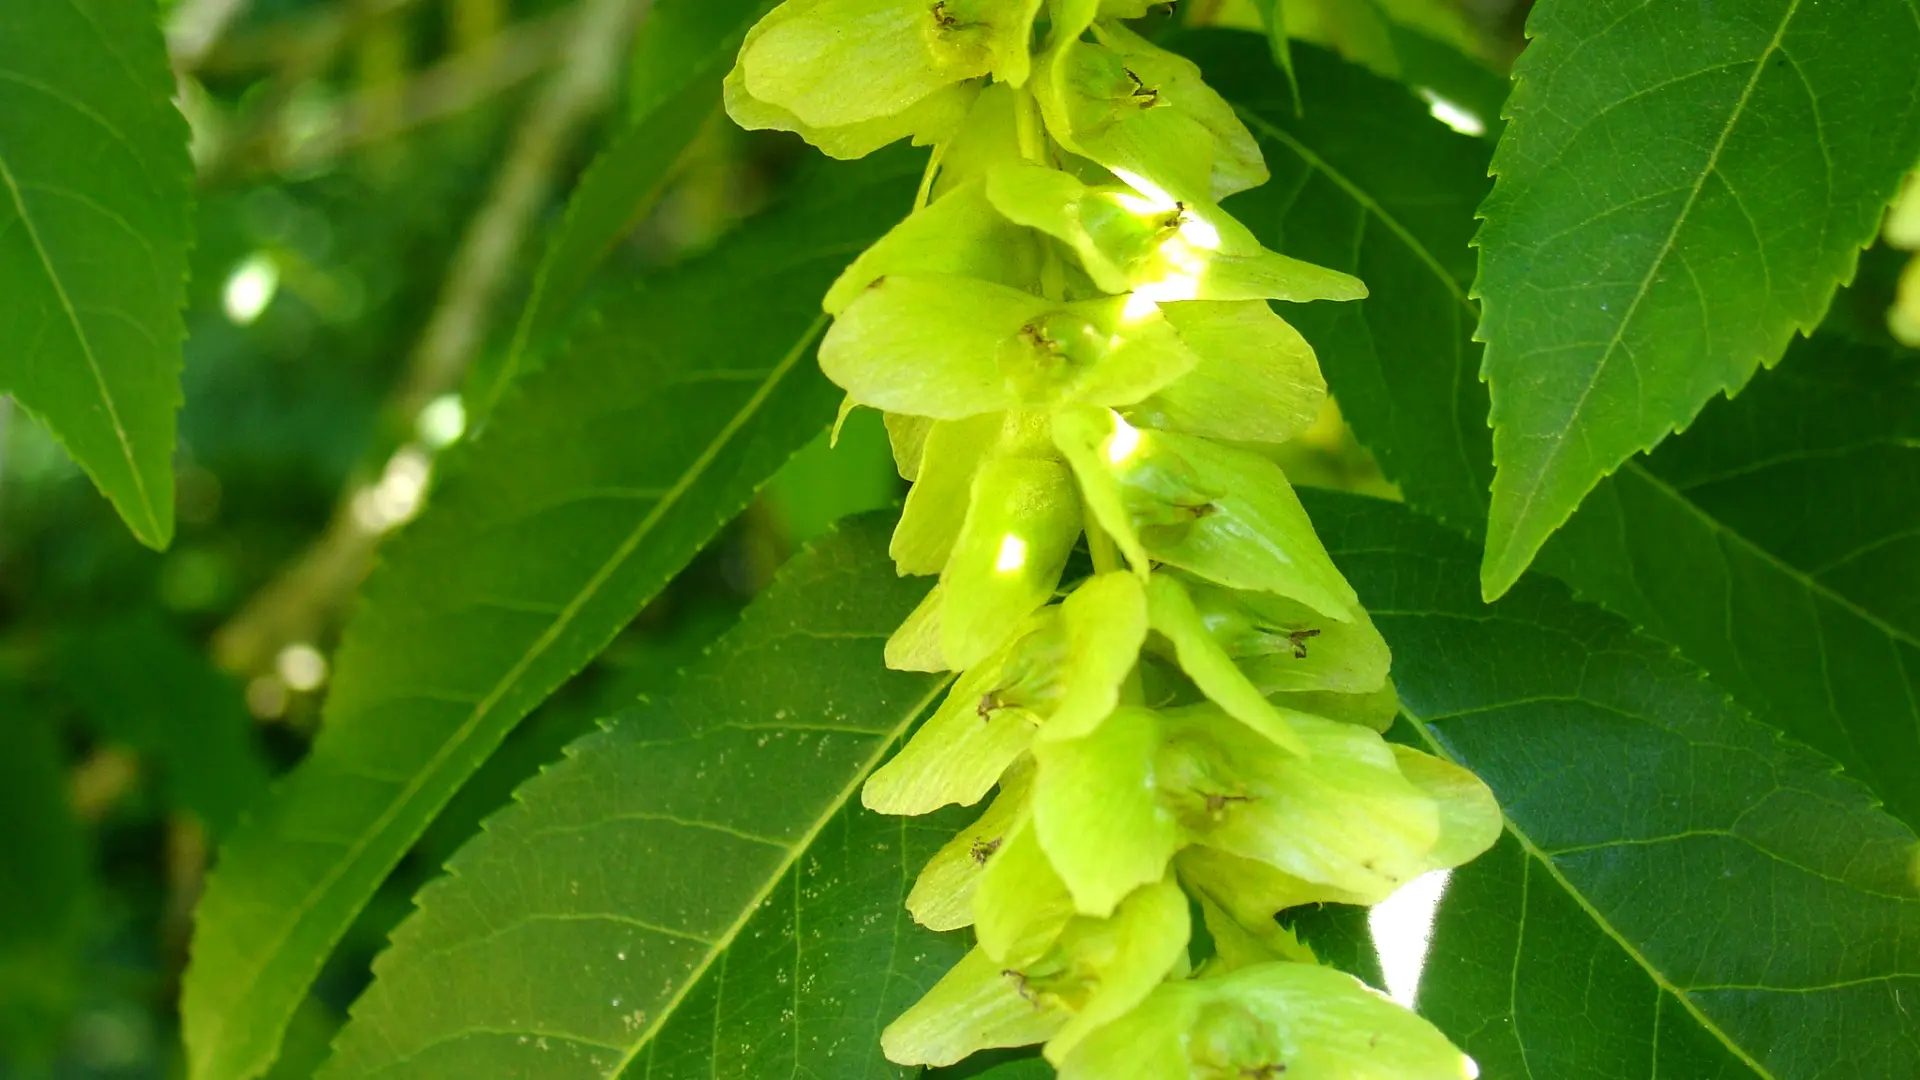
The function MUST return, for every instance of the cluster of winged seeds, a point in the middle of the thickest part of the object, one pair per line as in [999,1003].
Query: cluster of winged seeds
[1069,335]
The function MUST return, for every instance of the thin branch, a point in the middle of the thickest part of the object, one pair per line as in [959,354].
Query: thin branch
[446,89]
[311,48]
[303,600]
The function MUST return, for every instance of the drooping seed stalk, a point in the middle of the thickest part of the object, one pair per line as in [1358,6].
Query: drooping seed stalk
[1072,339]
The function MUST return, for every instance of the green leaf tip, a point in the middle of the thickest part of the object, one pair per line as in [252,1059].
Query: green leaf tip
[1724,188]
[95,225]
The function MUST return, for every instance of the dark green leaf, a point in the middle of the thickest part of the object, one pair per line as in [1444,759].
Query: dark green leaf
[694,892]
[1365,181]
[827,481]
[94,197]
[586,494]
[44,882]
[142,685]
[1339,935]
[1819,645]
[1681,187]
[1030,1068]
[1777,543]
[688,45]
[1682,893]
[1463,80]
[1274,14]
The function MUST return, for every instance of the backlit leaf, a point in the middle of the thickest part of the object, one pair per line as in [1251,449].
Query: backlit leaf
[695,891]
[94,230]
[587,493]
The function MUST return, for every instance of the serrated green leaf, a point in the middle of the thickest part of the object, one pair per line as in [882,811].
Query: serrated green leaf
[1680,188]
[95,188]
[1831,662]
[1681,892]
[1777,543]
[142,685]
[684,48]
[1366,182]
[587,493]
[695,891]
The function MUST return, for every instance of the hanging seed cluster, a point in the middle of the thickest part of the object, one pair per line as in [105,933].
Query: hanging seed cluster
[1069,336]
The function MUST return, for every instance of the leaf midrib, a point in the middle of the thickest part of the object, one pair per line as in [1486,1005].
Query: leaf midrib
[480,711]
[86,348]
[724,943]
[1559,442]
[1635,466]
[1537,855]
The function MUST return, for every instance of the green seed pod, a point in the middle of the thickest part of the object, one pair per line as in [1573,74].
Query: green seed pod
[1252,890]
[960,753]
[1172,614]
[942,896]
[1021,524]
[1225,515]
[1284,645]
[1128,242]
[907,437]
[954,347]
[978,1005]
[960,234]
[832,64]
[1097,814]
[931,120]
[1257,379]
[1344,816]
[1096,972]
[1020,906]
[951,454]
[1058,335]
[1300,1021]
[1146,115]
[1064,666]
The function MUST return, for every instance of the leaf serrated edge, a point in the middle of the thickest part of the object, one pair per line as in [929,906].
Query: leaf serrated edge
[1680,667]
[1500,568]
[775,377]
[885,744]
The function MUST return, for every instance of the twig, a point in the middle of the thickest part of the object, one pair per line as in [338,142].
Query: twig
[305,598]
[309,52]
[587,76]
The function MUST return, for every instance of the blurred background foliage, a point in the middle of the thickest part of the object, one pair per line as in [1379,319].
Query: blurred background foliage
[377,179]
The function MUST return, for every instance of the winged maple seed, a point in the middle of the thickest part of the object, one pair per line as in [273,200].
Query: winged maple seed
[1071,338]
